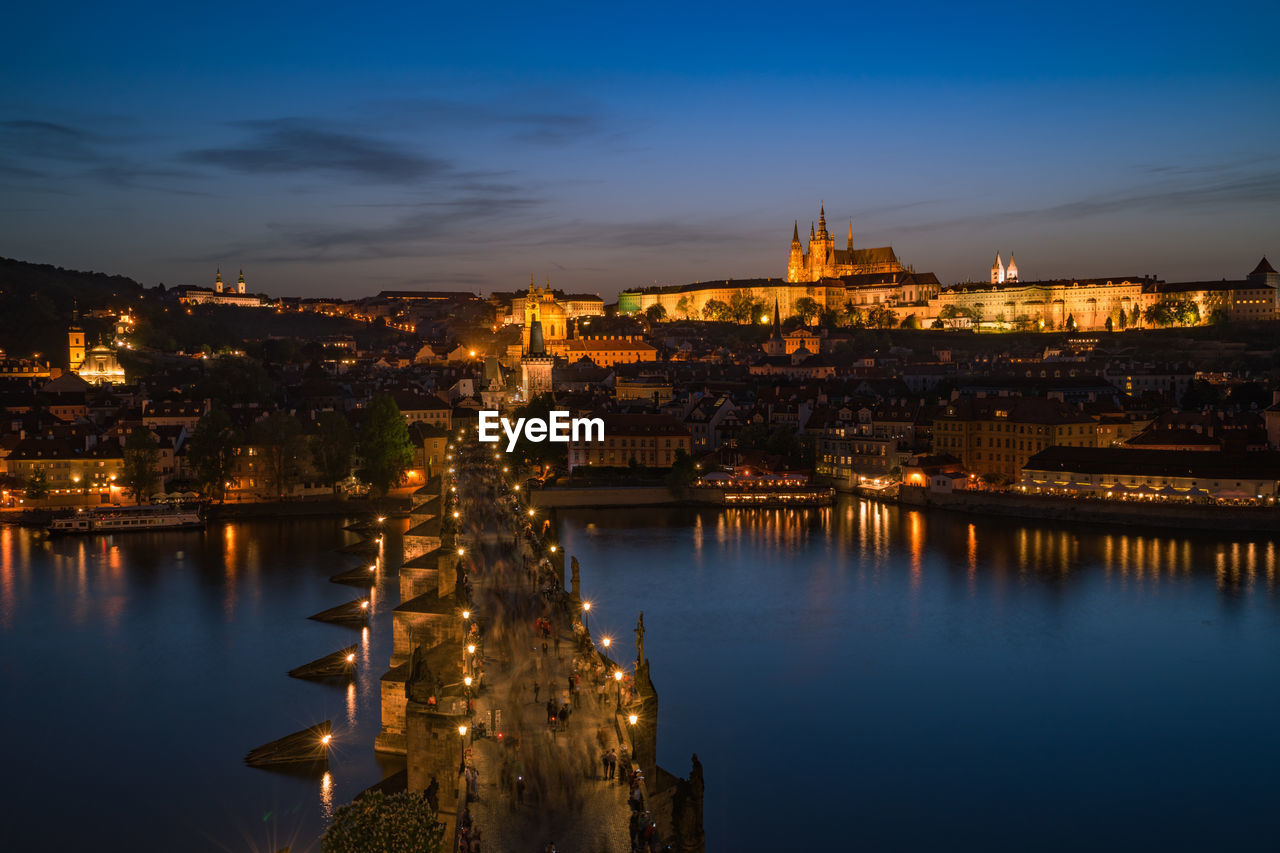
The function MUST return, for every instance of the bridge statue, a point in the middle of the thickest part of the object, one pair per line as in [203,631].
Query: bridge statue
[640,639]
[422,685]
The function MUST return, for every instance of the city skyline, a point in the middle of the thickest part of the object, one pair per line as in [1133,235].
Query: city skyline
[429,149]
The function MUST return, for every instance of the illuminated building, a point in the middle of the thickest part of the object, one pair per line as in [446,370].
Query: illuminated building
[997,435]
[823,260]
[222,294]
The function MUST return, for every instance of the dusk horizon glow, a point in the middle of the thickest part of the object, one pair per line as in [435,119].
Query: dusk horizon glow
[329,153]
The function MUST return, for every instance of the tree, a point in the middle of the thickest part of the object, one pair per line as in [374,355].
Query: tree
[283,448]
[332,447]
[1110,325]
[911,321]
[141,461]
[685,306]
[1123,320]
[1171,312]
[383,444]
[656,313]
[384,823]
[683,472]
[716,309]
[38,485]
[211,452]
[852,315]
[882,317]
[807,308]
[1071,322]
[937,324]
[742,306]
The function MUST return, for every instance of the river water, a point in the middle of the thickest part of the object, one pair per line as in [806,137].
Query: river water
[860,677]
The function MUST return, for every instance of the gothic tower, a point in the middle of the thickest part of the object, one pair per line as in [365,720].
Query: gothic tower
[997,270]
[1011,271]
[217,281]
[795,258]
[824,262]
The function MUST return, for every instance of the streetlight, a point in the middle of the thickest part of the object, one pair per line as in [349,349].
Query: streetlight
[466,614]
[462,748]
[461,551]
[606,642]
[632,718]
[617,678]
[586,611]
[351,657]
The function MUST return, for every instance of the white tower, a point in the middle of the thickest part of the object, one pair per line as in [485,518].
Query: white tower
[1011,271]
[997,271]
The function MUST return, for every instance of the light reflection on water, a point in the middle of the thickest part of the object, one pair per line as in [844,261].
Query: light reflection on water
[1012,676]
[159,659]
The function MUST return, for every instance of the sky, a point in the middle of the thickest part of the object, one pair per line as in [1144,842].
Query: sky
[334,150]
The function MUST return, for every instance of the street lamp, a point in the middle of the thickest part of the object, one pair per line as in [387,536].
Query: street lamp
[462,748]
[586,611]
[466,614]
[632,718]
[617,679]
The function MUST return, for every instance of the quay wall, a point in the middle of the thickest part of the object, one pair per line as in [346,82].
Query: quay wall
[1248,519]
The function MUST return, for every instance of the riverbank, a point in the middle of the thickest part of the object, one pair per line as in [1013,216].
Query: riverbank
[622,496]
[1049,508]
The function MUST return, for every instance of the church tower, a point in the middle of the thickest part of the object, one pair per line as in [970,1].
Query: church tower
[997,270]
[795,258]
[217,281]
[240,283]
[850,239]
[1011,271]
[75,343]
[776,345]
[824,262]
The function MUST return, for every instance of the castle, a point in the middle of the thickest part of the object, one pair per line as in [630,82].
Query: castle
[824,260]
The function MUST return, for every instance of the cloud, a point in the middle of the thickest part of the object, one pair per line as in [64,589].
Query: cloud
[554,125]
[294,146]
[47,140]
[45,152]
[1184,190]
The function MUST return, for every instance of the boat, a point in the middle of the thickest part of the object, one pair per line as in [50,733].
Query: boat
[123,519]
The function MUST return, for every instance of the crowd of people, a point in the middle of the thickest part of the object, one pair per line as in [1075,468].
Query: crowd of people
[525,616]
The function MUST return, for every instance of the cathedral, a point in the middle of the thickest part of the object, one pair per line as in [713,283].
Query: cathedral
[1001,274]
[823,260]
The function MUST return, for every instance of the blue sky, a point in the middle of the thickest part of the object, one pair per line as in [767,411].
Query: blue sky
[341,151]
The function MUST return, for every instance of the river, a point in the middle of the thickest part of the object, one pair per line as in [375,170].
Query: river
[860,677]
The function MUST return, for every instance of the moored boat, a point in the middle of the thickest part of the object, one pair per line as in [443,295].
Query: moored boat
[123,519]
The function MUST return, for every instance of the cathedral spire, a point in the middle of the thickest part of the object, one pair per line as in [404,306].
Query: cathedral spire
[777,321]
[851,237]
[795,233]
